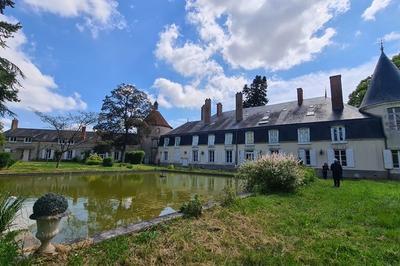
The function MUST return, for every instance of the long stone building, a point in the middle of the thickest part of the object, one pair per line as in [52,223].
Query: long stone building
[366,141]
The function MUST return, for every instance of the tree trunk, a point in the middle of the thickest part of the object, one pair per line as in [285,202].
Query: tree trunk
[58,161]
[125,144]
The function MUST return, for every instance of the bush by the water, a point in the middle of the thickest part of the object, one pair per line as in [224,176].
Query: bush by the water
[171,167]
[192,208]
[134,157]
[273,173]
[94,159]
[6,160]
[108,162]
[228,196]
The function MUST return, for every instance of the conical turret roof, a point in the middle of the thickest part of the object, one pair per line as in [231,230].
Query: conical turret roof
[155,118]
[385,84]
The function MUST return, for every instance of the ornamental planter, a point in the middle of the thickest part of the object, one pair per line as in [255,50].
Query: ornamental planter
[48,212]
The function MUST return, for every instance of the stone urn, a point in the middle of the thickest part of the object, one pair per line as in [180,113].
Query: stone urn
[48,211]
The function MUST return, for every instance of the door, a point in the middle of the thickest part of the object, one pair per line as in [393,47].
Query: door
[25,155]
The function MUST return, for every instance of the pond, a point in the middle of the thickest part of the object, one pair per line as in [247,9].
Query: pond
[103,202]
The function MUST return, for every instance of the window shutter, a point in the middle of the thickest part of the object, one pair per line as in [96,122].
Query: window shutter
[65,154]
[302,155]
[73,154]
[344,133]
[331,156]
[350,157]
[52,154]
[387,159]
[313,158]
[44,154]
[332,135]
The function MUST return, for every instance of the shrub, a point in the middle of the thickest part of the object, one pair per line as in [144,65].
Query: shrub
[309,175]
[49,205]
[229,196]
[108,162]
[192,208]
[134,157]
[5,158]
[272,173]
[9,249]
[11,162]
[9,207]
[129,166]
[171,167]
[94,159]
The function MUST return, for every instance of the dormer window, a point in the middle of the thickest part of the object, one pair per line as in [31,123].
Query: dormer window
[211,140]
[338,134]
[177,141]
[394,118]
[228,138]
[249,138]
[273,136]
[63,141]
[303,135]
[27,140]
[12,139]
[195,140]
[166,142]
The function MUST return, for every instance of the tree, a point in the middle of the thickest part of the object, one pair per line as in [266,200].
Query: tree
[357,96]
[256,94]
[68,129]
[123,112]
[9,72]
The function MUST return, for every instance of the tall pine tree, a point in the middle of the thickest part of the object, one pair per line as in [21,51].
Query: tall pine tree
[256,94]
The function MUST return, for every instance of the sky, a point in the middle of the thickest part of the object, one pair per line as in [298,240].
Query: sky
[74,52]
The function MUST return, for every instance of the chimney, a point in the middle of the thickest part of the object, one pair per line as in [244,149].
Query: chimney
[219,109]
[299,96]
[239,106]
[202,113]
[207,111]
[336,93]
[83,133]
[14,124]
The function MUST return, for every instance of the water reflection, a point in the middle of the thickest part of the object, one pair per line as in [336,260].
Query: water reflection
[102,202]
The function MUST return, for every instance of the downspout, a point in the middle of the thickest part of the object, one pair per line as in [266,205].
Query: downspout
[237,151]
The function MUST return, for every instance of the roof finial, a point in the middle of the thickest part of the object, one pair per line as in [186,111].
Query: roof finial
[381,45]
[326,95]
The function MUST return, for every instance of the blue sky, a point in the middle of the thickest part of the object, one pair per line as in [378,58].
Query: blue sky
[74,52]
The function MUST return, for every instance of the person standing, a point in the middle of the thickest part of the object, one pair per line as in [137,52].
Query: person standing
[337,173]
[325,169]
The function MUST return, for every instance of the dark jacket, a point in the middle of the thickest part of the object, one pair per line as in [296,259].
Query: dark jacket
[337,170]
[325,168]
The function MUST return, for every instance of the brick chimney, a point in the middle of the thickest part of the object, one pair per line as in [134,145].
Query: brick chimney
[207,111]
[219,109]
[202,113]
[299,96]
[83,133]
[239,106]
[336,93]
[14,124]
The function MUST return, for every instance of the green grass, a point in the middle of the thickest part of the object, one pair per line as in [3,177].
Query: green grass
[357,224]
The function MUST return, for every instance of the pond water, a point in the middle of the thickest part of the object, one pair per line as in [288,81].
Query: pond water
[103,202]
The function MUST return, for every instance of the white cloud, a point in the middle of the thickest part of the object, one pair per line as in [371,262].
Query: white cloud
[375,7]
[38,90]
[392,36]
[97,15]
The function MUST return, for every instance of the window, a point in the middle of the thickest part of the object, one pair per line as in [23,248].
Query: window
[303,135]
[273,136]
[195,140]
[249,155]
[70,154]
[395,158]
[12,139]
[177,141]
[211,156]
[340,155]
[48,154]
[211,140]
[274,151]
[249,138]
[228,138]
[116,155]
[305,156]
[394,118]
[195,156]
[28,140]
[7,150]
[228,156]
[166,142]
[338,134]
[165,156]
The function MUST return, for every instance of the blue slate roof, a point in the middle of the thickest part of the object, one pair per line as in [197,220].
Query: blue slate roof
[385,84]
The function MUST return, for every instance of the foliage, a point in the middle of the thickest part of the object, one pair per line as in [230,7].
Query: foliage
[122,112]
[229,196]
[6,160]
[356,97]
[94,159]
[9,249]
[309,175]
[108,162]
[272,173]
[9,208]
[256,94]
[192,208]
[102,147]
[171,167]
[9,72]
[146,236]
[134,157]
[48,205]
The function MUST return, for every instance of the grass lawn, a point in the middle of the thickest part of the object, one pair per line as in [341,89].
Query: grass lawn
[357,224]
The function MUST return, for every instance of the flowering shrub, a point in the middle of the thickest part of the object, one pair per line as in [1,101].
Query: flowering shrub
[94,159]
[272,173]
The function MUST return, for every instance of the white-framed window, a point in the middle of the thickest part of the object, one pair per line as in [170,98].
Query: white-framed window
[274,151]
[211,156]
[28,140]
[177,141]
[394,118]
[211,140]
[70,154]
[273,136]
[229,156]
[395,158]
[249,155]
[63,141]
[303,135]
[305,156]
[249,138]
[195,140]
[195,155]
[166,142]
[49,154]
[340,155]
[7,150]
[228,138]
[338,134]
[165,156]
[12,139]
